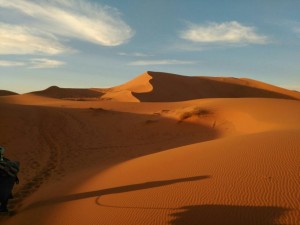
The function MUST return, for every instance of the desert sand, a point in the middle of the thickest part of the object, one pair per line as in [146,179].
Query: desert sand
[6,93]
[160,149]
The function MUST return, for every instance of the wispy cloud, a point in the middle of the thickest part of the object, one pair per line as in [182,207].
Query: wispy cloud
[45,63]
[6,63]
[36,63]
[45,23]
[227,32]
[135,54]
[23,40]
[160,62]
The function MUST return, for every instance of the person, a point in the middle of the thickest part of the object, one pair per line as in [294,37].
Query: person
[8,177]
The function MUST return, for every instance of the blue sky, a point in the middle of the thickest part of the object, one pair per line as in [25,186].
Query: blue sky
[103,43]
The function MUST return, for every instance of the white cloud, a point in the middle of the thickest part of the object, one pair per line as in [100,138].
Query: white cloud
[135,54]
[37,63]
[293,87]
[5,63]
[45,63]
[160,62]
[75,19]
[227,32]
[22,40]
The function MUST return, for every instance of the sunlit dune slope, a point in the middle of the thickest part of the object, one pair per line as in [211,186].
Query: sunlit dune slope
[251,179]
[127,91]
[227,161]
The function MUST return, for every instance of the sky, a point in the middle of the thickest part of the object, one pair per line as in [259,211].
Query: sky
[104,43]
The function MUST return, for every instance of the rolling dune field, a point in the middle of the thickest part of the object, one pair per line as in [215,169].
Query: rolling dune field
[162,149]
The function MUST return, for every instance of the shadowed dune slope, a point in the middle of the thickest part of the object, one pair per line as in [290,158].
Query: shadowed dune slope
[209,161]
[166,87]
[71,93]
[6,93]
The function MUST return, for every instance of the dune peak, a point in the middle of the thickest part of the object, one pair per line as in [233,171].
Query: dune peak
[7,93]
[68,93]
[168,87]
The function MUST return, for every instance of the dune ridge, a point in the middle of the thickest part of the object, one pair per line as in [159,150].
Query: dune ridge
[68,93]
[225,160]
[164,87]
[6,93]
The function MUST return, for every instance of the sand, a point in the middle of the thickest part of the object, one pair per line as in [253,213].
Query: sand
[140,155]
[6,93]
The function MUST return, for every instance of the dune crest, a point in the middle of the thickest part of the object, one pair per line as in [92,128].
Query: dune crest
[68,93]
[127,91]
[7,93]
[166,87]
[171,87]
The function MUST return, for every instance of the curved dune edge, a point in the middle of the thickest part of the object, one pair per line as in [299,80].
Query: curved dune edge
[172,87]
[167,87]
[140,84]
[120,96]
[125,92]
[248,168]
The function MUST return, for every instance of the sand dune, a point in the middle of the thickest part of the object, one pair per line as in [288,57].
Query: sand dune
[127,91]
[226,161]
[166,87]
[6,93]
[69,93]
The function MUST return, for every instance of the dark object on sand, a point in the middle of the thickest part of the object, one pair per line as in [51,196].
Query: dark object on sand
[8,177]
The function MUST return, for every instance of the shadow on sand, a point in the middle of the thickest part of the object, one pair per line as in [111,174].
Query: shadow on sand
[166,86]
[115,190]
[228,215]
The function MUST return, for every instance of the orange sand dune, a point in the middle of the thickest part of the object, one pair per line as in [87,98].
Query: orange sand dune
[127,91]
[68,93]
[6,93]
[166,87]
[225,161]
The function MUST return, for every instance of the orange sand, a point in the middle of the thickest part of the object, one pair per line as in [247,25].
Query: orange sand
[152,151]
[6,93]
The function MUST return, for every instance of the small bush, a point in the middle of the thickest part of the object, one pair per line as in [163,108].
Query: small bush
[97,109]
[195,112]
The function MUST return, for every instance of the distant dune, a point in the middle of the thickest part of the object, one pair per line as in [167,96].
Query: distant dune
[166,87]
[7,93]
[217,151]
[68,93]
